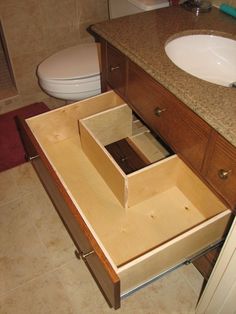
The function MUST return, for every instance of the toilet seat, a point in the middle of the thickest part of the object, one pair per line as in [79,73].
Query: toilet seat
[72,63]
[72,73]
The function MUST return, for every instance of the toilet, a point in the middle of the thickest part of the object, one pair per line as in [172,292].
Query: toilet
[74,73]
[71,74]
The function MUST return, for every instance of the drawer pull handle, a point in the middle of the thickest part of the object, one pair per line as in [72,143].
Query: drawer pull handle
[83,255]
[114,68]
[32,157]
[224,174]
[158,111]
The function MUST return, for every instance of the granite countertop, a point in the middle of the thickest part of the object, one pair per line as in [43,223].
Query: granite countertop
[142,38]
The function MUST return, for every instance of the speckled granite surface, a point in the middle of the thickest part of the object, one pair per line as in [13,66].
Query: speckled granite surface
[142,38]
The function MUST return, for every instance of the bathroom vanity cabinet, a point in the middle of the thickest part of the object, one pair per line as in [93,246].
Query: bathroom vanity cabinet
[198,144]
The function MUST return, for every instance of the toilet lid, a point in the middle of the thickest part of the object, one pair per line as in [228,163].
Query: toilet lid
[75,62]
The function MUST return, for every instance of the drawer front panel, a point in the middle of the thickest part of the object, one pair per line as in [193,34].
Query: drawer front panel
[166,115]
[109,287]
[28,146]
[174,252]
[221,169]
[116,70]
[67,217]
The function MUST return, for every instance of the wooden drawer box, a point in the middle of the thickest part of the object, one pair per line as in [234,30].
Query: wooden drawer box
[124,248]
[114,126]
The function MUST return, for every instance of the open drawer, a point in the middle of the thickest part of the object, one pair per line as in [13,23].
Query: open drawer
[124,248]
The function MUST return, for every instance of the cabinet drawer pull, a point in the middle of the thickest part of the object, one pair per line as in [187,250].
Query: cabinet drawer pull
[224,174]
[31,157]
[114,68]
[158,111]
[83,255]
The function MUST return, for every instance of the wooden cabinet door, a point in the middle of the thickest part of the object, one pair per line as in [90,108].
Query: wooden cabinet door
[183,130]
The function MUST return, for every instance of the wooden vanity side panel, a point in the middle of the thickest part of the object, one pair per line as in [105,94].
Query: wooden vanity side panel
[97,263]
[185,132]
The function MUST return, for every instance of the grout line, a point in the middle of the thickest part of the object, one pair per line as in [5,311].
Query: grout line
[21,200]
[37,277]
[193,287]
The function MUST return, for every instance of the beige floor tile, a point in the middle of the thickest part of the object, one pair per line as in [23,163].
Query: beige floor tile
[84,295]
[18,181]
[168,295]
[43,295]
[193,277]
[8,188]
[22,254]
[26,178]
[50,228]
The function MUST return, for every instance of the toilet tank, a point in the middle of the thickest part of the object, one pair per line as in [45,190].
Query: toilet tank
[119,8]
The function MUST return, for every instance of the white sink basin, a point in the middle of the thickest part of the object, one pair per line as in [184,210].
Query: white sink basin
[208,57]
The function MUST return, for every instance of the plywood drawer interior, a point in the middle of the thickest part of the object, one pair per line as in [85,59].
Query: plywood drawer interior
[181,218]
[115,126]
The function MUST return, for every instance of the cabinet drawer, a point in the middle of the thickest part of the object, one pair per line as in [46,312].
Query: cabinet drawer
[127,246]
[116,70]
[106,278]
[165,114]
[221,169]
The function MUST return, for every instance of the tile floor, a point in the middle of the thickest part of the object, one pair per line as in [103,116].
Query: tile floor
[38,270]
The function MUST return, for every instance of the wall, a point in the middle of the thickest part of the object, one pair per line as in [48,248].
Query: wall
[218,2]
[36,29]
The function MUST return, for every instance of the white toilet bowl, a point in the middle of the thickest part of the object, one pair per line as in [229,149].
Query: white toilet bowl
[74,73]
[71,74]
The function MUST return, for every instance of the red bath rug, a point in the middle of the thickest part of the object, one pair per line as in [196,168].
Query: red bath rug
[11,149]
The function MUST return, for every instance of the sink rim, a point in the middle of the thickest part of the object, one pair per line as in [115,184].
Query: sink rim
[192,33]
